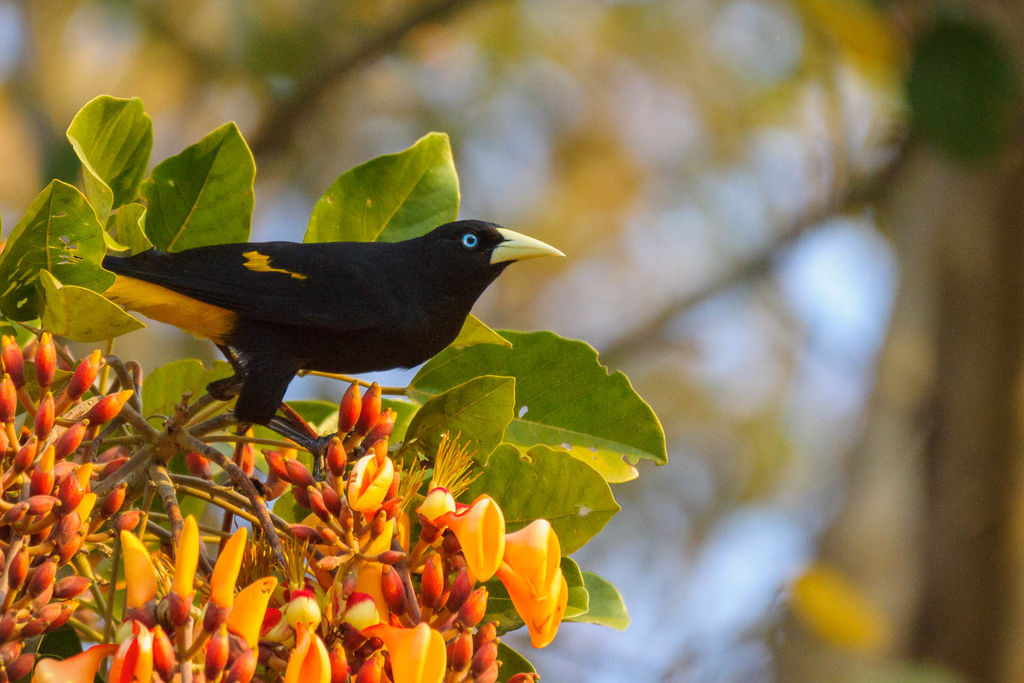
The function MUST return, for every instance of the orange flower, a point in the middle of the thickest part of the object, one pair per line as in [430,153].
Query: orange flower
[417,654]
[308,662]
[186,558]
[369,482]
[480,529]
[80,668]
[250,606]
[225,571]
[139,573]
[134,658]
[532,575]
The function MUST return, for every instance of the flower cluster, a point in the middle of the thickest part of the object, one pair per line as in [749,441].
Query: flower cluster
[47,509]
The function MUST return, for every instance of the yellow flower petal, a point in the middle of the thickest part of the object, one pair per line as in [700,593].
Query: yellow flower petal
[139,573]
[308,662]
[481,533]
[418,654]
[225,572]
[250,605]
[186,559]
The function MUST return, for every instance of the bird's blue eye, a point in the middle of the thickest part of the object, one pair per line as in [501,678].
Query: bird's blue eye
[469,240]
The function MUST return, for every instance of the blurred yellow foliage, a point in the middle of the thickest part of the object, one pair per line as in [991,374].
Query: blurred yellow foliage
[860,30]
[837,611]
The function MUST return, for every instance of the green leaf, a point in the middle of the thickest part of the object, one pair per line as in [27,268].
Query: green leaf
[59,233]
[112,138]
[500,608]
[391,198]
[203,195]
[81,314]
[62,643]
[479,410]
[165,385]
[579,599]
[547,484]
[606,605]
[475,332]
[125,231]
[563,396]
[512,662]
[288,509]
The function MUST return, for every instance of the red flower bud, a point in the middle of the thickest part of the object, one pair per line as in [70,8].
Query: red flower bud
[56,614]
[243,668]
[371,671]
[175,609]
[42,482]
[198,465]
[460,653]
[473,610]
[83,377]
[70,493]
[484,657]
[336,457]
[13,360]
[9,652]
[65,551]
[42,422]
[127,521]
[461,588]
[393,590]
[8,625]
[110,467]
[216,653]
[113,502]
[8,399]
[331,500]
[298,474]
[275,464]
[246,457]
[19,569]
[348,412]
[163,654]
[26,455]
[485,634]
[108,407]
[70,440]
[433,582]
[306,534]
[45,360]
[524,678]
[274,487]
[370,412]
[381,430]
[301,496]
[490,675]
[15,514]
[214,618]
[70,587]
[21,667]
[316,503]
[41,505]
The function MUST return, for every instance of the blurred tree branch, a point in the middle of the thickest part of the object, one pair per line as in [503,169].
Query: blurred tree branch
[279,121]
[849,198]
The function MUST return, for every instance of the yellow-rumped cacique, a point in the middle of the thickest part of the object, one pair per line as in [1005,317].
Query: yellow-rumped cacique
[275,308]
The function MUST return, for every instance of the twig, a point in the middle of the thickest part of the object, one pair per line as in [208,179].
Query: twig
[162,480]
[394,391]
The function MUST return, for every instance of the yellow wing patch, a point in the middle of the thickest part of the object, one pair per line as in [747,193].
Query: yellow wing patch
[260,263]
[168,306]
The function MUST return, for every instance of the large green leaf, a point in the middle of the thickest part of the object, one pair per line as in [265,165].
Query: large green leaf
[58,233]
[479,409]
[391,198]
[164,386]
[203,195]
[564,396]
[81,314]
[476,332]
[513,662]
[544,483]
[606,605]
[112,138]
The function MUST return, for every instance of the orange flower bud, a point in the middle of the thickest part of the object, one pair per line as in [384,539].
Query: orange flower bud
[217,650]
[42,577]
[139,573]
[8,400]
[45,360]
[336,457]
[108,407]
[432,584]
[70,587]
[110,467]
[480,529]
[348,412]
[369,482]
[309,662]
[21,667]
[461,588]
[460,653]
[26,455]
[80,668]
[250,606]
[371,671]
[42,422]
[532,575]
[19,570]
[13,360]
[297,474]
[225,571]
[83,377]
[339,664]
[128,520]
[70,493]
[370,411]
[484,658]
[134,658]
[70,440]
[113,502]
[473,610]
[382,429]
[41,505]
[316,503]
[393,590]
[437,506]
[14,514]
[242,669]
[163,654]
[331,501]
[360,611]
[417,654]
[245,456]
[306,534]
[198,465]
[275,464]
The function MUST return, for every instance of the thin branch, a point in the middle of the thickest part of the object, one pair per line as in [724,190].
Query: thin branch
[280,120]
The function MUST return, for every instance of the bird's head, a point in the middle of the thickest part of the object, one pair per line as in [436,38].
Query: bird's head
[481,250]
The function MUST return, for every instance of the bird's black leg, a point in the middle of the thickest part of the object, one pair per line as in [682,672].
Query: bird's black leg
[317,445]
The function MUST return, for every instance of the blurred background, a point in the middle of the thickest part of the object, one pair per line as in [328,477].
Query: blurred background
[795,224]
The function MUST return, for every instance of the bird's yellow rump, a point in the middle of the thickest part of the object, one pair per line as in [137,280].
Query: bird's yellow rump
[159,303]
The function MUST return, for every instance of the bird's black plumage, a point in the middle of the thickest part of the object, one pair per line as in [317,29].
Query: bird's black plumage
[344,307]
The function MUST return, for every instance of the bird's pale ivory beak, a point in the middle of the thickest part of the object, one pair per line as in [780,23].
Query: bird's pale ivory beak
[518,246]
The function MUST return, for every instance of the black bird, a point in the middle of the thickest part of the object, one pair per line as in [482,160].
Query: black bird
[275,308]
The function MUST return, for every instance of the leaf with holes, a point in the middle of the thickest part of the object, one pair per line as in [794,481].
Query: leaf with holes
[203,195]
[391,198]
[58,233]
[112,138]
[544,483]
[563,396]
